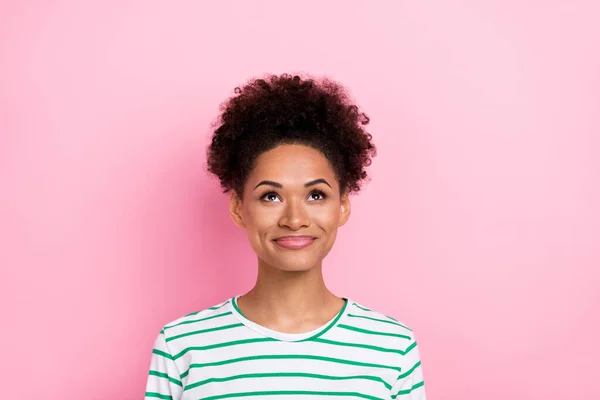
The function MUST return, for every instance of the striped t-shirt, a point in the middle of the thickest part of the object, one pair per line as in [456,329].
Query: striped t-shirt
[219,354]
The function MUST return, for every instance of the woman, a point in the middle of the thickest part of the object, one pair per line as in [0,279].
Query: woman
[290,151]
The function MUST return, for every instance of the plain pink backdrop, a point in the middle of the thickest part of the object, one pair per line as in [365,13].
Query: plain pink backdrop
[479,229]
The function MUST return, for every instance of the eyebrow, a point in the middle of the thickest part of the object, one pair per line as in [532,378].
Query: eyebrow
[279,185]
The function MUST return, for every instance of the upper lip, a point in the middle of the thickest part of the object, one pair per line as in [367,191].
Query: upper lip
[295,237]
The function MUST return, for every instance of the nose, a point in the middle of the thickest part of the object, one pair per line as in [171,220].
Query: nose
[295,216]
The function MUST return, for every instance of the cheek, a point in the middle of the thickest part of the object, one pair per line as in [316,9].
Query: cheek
[327,216]
[259,221]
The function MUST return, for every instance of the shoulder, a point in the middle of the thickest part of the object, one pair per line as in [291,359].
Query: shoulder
[365,318]
[205,318]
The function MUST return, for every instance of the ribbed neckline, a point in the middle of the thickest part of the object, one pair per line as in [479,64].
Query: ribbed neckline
[287,337]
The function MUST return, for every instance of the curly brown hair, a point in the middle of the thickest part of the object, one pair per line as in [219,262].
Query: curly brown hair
[287,109]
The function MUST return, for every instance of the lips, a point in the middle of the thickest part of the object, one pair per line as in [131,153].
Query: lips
[294,242]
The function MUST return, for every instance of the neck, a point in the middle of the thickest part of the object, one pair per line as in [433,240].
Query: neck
[290,293]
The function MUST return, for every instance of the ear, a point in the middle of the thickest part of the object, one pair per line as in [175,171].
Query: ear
[344,209]
[235,210]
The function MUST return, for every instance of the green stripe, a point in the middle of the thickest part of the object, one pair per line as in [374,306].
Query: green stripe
[353,328]
[359,345]
[291,392]
[225,344]
[163,375]
[288,375]
[162,353]
[158,395]
[409,348]
[199,320]
[289,357]
[410,371]
[211,308]
[234,303]
[331,325]
[362,308]
[219,306]
[218,328]
[407,391]
[393,322]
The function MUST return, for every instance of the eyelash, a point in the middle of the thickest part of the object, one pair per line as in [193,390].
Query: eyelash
[319,192]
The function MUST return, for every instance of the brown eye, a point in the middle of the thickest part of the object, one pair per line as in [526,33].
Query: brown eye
[317,195]
[270,197]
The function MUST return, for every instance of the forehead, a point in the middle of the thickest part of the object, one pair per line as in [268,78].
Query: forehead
[292,164]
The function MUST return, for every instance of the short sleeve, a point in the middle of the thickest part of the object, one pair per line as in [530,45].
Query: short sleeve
[164,380]
[410,385]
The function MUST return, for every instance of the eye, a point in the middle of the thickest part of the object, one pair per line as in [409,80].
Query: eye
[270,197]
[317,195]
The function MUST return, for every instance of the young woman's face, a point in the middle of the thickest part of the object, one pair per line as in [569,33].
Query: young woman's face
[291,208]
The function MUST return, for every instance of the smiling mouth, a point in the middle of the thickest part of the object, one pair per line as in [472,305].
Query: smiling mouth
[295,242]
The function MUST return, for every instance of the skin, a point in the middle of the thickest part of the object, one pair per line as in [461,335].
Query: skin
[290,294]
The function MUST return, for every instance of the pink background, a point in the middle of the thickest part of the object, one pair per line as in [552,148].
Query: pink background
[480,228]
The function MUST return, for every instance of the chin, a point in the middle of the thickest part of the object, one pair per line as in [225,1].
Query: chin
[295,268]
[293,265]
